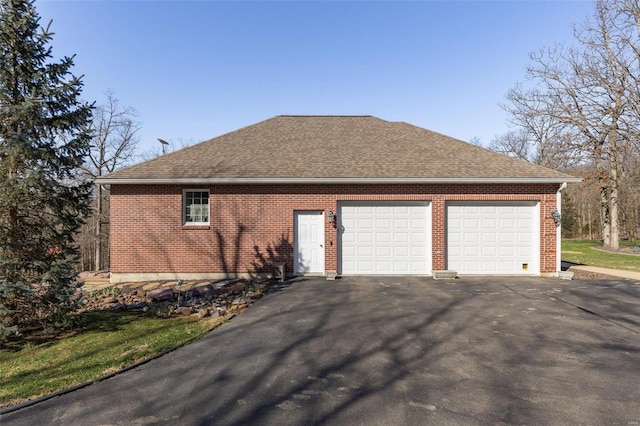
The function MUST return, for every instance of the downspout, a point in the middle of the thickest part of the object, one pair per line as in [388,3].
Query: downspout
[559,229]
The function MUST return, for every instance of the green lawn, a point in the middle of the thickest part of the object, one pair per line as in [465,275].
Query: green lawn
[109,342]
[583,252]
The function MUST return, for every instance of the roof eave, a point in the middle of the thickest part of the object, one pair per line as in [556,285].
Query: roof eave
[283,181]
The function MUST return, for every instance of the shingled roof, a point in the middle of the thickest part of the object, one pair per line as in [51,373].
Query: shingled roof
[333,149]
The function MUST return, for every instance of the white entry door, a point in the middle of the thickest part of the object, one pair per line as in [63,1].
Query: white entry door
[309,242]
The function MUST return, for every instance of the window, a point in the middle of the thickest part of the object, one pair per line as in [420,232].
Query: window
[196,207]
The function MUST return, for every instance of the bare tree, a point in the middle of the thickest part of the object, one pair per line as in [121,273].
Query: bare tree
[113,146]
[539,137]
[476,140]
[583,104]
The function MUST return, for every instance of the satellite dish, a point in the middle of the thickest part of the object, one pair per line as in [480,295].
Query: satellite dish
[164,144]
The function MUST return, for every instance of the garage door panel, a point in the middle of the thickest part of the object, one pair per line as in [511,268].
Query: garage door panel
[397,242]
[454,222]
[384,237]
[471,237]
[523,251]
[365,223]
[383,265]
[362,212]
[508,251]
[401,237]
[507,223]
[493,237]
[365,237]
[401,224]
[419,237]
[471,223]
[455,251]
[471,251]
[417,251]
[365,251]
[349,265]
[383,224]
[419,266]
[489,237]
[489,251]
[524,238]
[454,237]
[524,224]
[384,251]
[349,251]
[417,223]
[504,237]
[489,223]
[400,251]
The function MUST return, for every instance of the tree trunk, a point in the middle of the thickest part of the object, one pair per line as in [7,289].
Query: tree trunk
[614,231]
[590,219]
[605,226]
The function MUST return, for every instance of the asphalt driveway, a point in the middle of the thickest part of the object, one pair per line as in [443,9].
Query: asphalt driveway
[390,351]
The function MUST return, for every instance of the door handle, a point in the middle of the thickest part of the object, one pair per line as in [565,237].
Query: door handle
[321,245]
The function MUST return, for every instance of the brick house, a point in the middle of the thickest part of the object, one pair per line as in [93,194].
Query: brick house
[333,194]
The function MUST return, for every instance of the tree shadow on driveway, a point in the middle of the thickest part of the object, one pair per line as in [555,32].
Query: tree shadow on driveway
[394,350]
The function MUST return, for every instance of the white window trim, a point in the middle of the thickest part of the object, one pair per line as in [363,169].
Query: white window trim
[184,207]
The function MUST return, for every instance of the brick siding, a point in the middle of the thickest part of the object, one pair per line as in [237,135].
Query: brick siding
[251,226]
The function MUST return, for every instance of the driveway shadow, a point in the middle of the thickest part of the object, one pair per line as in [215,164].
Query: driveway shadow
[389,350]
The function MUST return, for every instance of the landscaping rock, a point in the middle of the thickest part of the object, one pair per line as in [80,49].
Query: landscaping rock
[201,313]
[160,294]
[202,290]
[115,307]
[183,310]
[197,298]
[236,288]
[138,306]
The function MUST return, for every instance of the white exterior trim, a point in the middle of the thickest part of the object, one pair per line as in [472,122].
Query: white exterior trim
[283,181]
[559,230]
[184,207]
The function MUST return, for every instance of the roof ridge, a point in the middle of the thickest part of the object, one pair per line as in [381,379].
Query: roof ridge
[322,116]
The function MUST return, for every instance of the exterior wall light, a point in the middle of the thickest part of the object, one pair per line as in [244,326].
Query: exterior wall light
[555,214]
[331,216]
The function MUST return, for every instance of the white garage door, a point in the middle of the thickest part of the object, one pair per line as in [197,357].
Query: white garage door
[385,238]
[493,238]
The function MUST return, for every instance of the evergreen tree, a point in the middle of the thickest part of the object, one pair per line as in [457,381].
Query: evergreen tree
[44,140]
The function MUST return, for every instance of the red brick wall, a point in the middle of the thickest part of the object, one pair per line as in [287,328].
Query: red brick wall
[252,225]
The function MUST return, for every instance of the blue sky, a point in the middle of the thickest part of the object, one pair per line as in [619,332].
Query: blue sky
[197,69]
